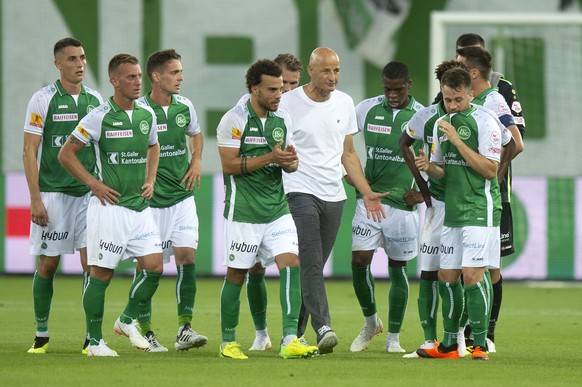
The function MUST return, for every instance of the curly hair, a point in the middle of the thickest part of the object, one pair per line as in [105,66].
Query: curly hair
[260,68]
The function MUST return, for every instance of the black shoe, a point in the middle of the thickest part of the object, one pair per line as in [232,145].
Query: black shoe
[326,340]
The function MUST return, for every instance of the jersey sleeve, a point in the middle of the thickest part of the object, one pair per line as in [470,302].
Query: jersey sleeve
[154,132]
[361,112]
[194,127]
[507,90]
[89,128]
[289,125]
[36,112]
[489,138]
[230,130]
[501,109]
[436,154]
[415,127]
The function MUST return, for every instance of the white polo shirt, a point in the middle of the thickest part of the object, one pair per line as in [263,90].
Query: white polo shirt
[319,130]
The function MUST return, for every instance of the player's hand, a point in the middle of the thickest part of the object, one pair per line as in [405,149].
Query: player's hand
[147,190]
[421,161]
[450,132]
[104,193]
[373,204]
[192,176]
[413,197]
[38,214]
[287,158]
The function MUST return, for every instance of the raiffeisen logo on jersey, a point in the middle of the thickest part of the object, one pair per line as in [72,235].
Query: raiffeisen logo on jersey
[255,140]
[118,133]
[379,129]
[162,128]
[65,117]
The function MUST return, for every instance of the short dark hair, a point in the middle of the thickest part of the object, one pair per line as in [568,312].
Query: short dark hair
[447,65]
[118,60]
[470,39]
[396,70]
[290,61]
[477,58]
[456,78]
[159,58]
[260,68]
[65,42]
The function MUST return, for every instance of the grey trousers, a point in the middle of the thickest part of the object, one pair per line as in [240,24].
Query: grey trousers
[317,223]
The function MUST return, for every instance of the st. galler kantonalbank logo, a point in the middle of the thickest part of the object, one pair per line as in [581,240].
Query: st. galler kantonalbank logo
[113,157]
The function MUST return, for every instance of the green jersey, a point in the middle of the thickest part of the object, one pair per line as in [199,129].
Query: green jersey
[420,127]
[174,122]
[53,114]
[258,196]
[121,139]
[386,169]
[470,200]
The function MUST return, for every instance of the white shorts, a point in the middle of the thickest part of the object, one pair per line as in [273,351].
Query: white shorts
[430,237]
[246,243]
[397,234]
[116,233]
[469,246]
[178,226]
[66,230]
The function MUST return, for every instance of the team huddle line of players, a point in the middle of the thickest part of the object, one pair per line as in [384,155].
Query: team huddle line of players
[115,181]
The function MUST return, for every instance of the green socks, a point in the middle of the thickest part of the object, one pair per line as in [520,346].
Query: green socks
[94,305]
[364,287]
[290,294]
[477,308]
[42,295]
[452,308]
[229,310]
[86,277]
[186,293]
[257,296]
[141,291]
[397,298]
[428,305]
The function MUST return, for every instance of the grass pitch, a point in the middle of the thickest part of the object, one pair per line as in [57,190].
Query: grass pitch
[538,342]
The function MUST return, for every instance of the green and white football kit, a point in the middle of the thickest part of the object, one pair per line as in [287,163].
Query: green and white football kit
[471,201]
[256,198]
[386,171]
[173,206]
[53,114]
[121,139]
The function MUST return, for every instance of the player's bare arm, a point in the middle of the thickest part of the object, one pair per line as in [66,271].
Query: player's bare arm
[68,159]
[153,159]
[38,212]
[372,200]
[192,176]
[507,154]
[405,147]
[433,170]
[479,163]
[233,164]
[519,145]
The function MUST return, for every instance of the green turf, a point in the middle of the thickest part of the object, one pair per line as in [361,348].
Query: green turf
[538,342]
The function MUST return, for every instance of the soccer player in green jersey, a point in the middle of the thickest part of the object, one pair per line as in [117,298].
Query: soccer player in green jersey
[173,202]
[479,62]
[382,120]
[58,202]
[291,68]
[466,151]
[254,143]
[120,223]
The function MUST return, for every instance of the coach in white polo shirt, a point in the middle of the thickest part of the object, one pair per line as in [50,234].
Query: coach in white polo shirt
[324,120]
